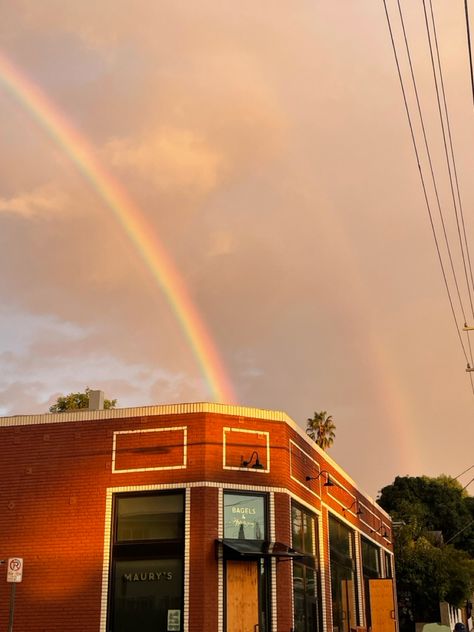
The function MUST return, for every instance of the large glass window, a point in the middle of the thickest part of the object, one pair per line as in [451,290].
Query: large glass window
[149,518]
[244,517]
[343,576]
[370,570]
[147,593]
[147,563]
[388,565]
[370,559]
[306,591]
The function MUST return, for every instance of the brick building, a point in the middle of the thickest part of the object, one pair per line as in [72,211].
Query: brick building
[192,517]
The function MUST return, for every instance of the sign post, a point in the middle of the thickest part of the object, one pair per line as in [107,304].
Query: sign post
[14,577]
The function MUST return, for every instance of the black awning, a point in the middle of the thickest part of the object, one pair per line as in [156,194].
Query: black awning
[252,549]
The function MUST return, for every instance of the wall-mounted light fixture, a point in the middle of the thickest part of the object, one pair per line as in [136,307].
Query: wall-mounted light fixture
[256,466]
[358,511]
[381,530]
[328,482]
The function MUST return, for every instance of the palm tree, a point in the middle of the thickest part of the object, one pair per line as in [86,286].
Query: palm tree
[321,429]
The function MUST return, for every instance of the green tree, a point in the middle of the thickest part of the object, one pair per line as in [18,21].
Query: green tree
[429,571]
[75,401]
[321,428]
[432,504]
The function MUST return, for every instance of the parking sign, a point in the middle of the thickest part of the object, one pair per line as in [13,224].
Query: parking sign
[15,570]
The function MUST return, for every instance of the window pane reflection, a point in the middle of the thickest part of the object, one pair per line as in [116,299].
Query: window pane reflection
[244,517]
[145,590]
[343,579]
[307,613]
[149,518]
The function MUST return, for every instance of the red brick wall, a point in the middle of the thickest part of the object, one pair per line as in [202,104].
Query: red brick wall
[284,586]
[52,514]
[53,499]
[203,578]
[326,575]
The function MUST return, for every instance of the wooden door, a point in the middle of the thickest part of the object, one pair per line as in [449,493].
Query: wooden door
[382,608]
[242,596]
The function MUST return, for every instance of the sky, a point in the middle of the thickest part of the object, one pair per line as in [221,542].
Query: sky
[266,147]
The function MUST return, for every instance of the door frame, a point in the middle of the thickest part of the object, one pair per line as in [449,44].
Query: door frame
[263,592]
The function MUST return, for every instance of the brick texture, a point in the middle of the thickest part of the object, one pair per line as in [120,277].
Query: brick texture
[53,491]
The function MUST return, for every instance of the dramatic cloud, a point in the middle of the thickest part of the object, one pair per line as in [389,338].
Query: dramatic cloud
[266,145]
[41,203]
[170,159]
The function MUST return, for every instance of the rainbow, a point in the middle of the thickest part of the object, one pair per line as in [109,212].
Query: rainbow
[132,220]
[400,430]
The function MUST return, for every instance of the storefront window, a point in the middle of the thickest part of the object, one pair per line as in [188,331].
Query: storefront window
[244,517]
[388,565]
[147,593]
[370,570]
[306,592]
[149,517]
[370,559]
[147,563]
[343,576]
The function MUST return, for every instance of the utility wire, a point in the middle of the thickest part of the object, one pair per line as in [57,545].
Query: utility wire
[467,470]
[444,129]
[430,162]
[459,532]
[468,30]
[451,142]
[463,247]
[467,484]
[422,179]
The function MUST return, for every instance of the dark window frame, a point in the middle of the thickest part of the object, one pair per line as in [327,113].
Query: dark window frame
[345,564]
[243,493]
[151,550]
[368,573]
[263,564]
[309,565]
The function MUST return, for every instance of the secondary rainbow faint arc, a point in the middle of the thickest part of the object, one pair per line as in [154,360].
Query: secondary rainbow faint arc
[132,220]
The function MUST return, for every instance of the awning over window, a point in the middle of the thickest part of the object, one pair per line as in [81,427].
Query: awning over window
[252,549]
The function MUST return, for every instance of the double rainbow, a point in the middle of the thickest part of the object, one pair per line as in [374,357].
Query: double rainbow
[132,220]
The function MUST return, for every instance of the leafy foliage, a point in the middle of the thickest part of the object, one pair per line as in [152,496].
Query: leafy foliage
[75,401]
[432,504]
[321,428]
[428,570]
[431,573]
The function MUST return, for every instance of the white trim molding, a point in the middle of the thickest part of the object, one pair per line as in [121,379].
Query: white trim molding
[178,466]
[226,431]
[110,492]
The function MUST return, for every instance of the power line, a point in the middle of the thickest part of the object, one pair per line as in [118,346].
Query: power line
[451,143]
[467,470]
[467,484]
[453,160]
[468,30]
[459,532]
[430,162]
[444,129]
[422,179]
